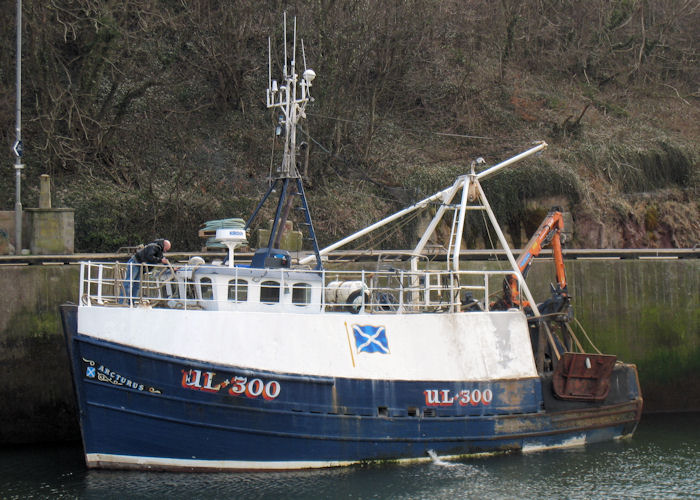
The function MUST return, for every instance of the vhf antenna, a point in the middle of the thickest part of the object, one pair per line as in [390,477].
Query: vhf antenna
[290,96]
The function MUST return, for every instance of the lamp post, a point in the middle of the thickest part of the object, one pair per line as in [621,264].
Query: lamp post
[17,147]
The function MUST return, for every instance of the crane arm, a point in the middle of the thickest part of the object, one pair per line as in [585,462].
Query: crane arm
[548,233]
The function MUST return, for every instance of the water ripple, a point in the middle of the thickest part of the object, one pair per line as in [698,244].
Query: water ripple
[661,461]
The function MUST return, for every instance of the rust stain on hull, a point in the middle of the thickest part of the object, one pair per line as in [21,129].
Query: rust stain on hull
[567,421]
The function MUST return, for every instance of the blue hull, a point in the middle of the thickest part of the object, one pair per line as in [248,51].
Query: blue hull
[140,409]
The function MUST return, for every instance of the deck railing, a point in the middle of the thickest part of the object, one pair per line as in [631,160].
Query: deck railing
[378,292]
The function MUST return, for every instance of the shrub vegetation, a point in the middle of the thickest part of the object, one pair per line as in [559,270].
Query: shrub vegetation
[149,115]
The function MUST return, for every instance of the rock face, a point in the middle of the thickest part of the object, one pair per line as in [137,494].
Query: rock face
[647,222]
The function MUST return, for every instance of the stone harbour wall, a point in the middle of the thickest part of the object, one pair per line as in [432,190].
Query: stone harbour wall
[36,392]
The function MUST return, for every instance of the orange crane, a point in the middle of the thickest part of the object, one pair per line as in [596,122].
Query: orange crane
[549,233]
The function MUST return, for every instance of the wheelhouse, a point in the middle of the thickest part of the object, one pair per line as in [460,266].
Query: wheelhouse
[243,289]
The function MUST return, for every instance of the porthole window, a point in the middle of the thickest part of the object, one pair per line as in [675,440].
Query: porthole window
[238,290]
[301,294]
[206,289]
[269,292]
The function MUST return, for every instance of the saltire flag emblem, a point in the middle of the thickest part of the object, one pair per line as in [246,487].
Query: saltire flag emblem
[370,338]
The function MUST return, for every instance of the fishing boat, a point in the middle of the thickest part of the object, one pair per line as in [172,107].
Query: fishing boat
[289,360]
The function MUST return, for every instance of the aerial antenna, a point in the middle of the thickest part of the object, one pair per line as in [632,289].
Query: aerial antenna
[285,45]
[290,96]
[294,48]
[303,54]
[269,67]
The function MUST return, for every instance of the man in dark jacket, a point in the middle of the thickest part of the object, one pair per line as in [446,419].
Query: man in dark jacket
[150,254]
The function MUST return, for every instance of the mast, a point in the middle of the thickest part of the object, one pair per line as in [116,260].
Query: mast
[290,96]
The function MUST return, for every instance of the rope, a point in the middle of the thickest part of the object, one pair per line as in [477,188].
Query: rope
[551,340]
[573,336]
[586,335]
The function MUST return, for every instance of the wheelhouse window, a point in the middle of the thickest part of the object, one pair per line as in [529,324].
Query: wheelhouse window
[206,288]
[238,290]
[301,294]
[269,292]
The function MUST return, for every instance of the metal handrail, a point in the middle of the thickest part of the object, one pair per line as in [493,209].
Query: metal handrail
[382,292]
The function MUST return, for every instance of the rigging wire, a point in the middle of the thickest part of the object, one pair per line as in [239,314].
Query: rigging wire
[405,129]
[337,156]
[382,236]
[386,200]
[586,335]
[488,233]
[347,163]
[327,151]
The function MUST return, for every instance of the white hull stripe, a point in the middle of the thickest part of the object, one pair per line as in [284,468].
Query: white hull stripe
[127,461]
[130,462]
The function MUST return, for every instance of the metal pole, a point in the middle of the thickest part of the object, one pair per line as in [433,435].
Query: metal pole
[461,180]
[504,245]
[17,148]
[481,175]
[381,223]
[460,223]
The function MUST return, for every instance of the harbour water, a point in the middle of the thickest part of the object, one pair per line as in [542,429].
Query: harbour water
[662,460]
